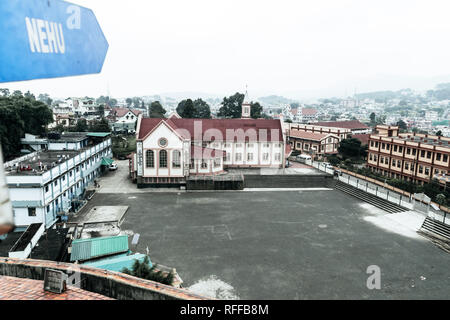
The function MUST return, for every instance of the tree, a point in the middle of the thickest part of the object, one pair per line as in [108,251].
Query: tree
[256,110]
[439,133]
[441,199]
[129,101]
[232,106]
[402,125]
[372,118]
[144,271]
[156,110]
[100,126]
[186,109]
[202,109]
[45,98]
[81,126]
[20,114]
[351,148]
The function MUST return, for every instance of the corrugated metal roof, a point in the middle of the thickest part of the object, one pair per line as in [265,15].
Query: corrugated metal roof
[98,134]
[117,263]
[86,249]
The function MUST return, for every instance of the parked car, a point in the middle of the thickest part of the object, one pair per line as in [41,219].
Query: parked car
[113,167]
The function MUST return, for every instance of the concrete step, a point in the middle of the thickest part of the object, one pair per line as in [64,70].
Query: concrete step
[289,181]
[437,228]
[370,198]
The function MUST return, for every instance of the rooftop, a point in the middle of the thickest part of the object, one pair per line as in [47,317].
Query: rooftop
[222,125]
[353,124]
[308,135]
[25,289]
[86,249]
[40,162]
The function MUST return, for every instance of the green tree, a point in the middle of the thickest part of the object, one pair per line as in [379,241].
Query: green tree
[402,125]
[439,133]
[202,109]
[156,110]
[100,126]
[232,106]
[256,110]
[20,114]
[81,126]
[186,109]
[351,148]
[372,118]
[144,271]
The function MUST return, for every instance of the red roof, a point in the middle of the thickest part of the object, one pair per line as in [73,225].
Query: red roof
[308,135]
[230,129]
[309,112]
[120,112]
[26,289]
[364,138]
[353,124]
[198,152]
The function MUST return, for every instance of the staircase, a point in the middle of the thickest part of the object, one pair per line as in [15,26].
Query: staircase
[436,228]
[370,198]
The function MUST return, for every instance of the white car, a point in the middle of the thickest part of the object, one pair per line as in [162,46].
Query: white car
[112,167]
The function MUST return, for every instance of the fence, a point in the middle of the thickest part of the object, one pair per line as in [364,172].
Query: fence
[385,191]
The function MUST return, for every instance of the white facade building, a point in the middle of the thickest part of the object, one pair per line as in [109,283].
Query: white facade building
[170,150]
[44,184]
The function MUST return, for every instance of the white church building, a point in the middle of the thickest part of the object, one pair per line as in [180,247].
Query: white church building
[170,150]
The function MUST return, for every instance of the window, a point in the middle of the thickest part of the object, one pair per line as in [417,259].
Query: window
[238,156]
[32,212]
[192,164]
[163,143]
[265,156]
[399,163]
[299,145]
[413,152]
[393,162]
[387,147]
[250,145]
[438,157]
[216,163]
[176,159]
[370,157]
[427,171]
[408,150]
[204,164]
[77,169]
[64,178]
[395,148]
[266,145]
[277,156]
[306,146]
[48,208]
[383,146]
[420,169]
[56,183]
[400,149]
[70,173]
[46,188]
[422,153]
[445,158]
[238,145]
[228,157]
[163,159]
[249,156]
[407,166]
[429,155]
[150,159]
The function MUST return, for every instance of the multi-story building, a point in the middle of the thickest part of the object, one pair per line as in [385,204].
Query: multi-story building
[46,183]
[342,133]
[408,156]
[170,150]
[314,143]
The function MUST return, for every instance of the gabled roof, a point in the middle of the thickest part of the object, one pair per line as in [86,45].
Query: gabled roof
[353,124]
[310,135]
[185,127]
[364,138]
[309,112]
[120,112]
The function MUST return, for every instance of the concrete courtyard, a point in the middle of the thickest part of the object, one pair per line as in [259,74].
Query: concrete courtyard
[281,244]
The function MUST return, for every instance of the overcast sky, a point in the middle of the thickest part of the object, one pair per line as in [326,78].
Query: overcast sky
[300,49]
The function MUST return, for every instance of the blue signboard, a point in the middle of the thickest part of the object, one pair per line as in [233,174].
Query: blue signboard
[48,38]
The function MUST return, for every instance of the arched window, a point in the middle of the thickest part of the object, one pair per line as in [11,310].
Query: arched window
[150,159]
[176,159]
[163,159]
